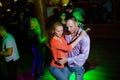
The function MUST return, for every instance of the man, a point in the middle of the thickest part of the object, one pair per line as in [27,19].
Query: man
[10,53]
[78,56]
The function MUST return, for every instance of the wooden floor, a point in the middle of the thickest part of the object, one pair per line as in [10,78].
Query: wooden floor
[104,56]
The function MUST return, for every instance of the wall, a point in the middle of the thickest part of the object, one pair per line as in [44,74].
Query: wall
[104,30]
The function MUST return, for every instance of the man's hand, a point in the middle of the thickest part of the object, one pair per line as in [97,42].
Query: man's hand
[63,60]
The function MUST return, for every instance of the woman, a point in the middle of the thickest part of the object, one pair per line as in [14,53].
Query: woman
[36,41]
[59,49]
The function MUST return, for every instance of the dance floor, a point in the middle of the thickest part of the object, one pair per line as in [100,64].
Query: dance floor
[104,62]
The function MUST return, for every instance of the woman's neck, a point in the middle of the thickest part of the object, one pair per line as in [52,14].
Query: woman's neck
[58,38]
[75,32]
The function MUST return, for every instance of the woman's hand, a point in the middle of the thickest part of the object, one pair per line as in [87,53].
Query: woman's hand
[63,60]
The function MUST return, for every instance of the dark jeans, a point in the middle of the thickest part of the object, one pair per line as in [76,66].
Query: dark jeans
[12,70]
[37,63]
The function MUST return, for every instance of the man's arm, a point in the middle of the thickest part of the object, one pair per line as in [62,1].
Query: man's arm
[84,53]
[73,44]
[8,52]
[82,56]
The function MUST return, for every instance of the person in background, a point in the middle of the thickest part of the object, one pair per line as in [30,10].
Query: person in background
[79,18]
[10,53]
[36,41]
[79,55]
[69,7]
[108,11]
[62,18]
[79,14]
[59,49]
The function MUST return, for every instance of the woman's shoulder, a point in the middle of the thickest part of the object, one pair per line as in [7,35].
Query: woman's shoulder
[53,40]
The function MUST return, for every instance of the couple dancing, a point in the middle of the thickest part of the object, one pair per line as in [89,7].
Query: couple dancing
[69,51]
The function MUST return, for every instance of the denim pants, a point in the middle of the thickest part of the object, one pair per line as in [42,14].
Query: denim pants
[60,73]
[37,63]
[79,72]
[12,70]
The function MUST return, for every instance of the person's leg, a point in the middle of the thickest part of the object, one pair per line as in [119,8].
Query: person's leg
[34,61]
[39,59]
[79,72]
[58,73]
[66,72]
[12,70]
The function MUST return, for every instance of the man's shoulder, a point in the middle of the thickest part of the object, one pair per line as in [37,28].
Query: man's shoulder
[86,38]
[9,37]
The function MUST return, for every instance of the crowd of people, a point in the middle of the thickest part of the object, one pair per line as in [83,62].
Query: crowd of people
[69,43]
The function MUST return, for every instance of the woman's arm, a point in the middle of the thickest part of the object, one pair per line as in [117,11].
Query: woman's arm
[73,44]
[39,34]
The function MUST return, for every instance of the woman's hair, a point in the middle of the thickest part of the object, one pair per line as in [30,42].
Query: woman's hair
[35,20]
[52,29]
[37,28]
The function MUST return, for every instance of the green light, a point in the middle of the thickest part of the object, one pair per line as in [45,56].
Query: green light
[47,76]
[72,77]
[78,17]
[36,26]
[99,73]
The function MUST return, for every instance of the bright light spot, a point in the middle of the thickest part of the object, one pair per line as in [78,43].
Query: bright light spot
[15,0]
[8,10]
[0,4]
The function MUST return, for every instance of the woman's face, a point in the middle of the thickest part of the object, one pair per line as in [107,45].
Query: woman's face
[32,25]
[58,31]
[63,16]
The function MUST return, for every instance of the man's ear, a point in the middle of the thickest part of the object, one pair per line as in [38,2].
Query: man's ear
[76,23]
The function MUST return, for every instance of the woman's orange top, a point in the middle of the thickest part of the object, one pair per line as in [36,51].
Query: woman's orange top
[58,50]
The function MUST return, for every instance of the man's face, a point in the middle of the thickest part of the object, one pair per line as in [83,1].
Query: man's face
[72,26]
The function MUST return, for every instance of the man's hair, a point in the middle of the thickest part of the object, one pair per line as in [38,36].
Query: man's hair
[71,17]
[2,28]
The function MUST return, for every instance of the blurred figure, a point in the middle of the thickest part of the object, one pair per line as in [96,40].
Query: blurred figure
[51,19]
[36,40]
[79,18]
[79,14]
[63,17]
[10,53]
[108,11]
[69,7]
